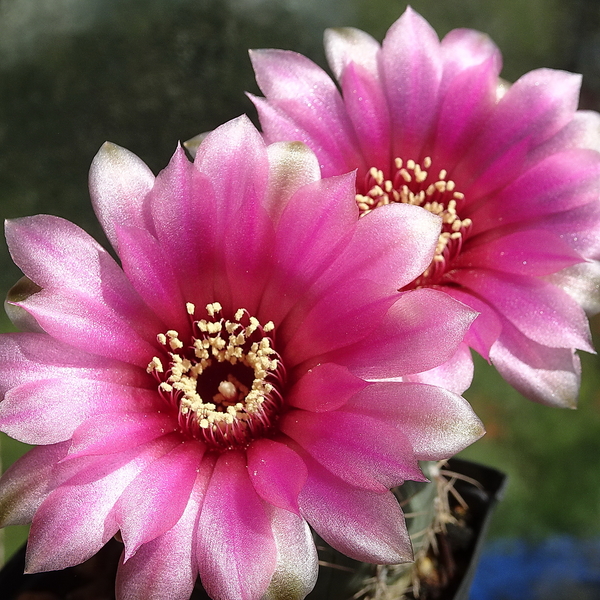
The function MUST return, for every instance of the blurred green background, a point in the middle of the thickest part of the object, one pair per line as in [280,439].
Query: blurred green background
[147,73]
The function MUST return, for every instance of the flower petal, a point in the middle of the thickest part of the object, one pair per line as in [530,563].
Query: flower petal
[547,375]
[325,387]
[24,485]
[362,524]
[436,422]
[420,331]
[412,67]
[112,433]
[346,45]
[582,283]
[276,472]
[538,309]
[86,299]
[47,411]
[119,183]
[70,525]
[297,561]
[155,500]
[236,550]
[376,456]
[166,567]
[31,356]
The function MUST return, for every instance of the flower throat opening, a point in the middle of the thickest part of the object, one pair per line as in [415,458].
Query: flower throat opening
[225,381]
[412,183]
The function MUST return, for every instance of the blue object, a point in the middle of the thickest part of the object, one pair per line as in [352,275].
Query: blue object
[560,568]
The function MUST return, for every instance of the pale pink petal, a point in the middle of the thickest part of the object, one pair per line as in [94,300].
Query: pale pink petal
[155,500]
[455,375]
[582,283]
[376,455]
[412,67]
[294,84]
[166,567]
[24,485]
[420,331]
[69,527]
[292,165]
[236,551]
[112,433]
[62,405]
[297,561]
[276,472]
[80,279]
[119,183]
[547,375]
[437,423]
[347,45]
[362,524]
[538,309]
[18,316]
[31,356]
[325,387]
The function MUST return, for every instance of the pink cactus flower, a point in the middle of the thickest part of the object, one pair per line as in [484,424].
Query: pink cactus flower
[513,171]
[234,381]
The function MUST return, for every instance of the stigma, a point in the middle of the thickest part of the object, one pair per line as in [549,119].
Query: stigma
[417,184]
[225,380]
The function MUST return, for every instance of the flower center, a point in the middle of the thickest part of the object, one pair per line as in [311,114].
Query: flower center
[412,183]
[225,380]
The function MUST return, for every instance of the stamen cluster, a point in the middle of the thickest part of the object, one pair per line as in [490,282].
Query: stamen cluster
[226,381]
[411,183]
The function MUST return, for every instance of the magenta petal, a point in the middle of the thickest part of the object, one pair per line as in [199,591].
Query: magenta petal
[532,252]
[560,182]
[325,387]
[111,433]
[535,107]
[276,472]
[436,422]
[148,269]
[184,219]
[155,500]
[465,48]
[31,356]
[70,526]
[367,108]
[119,183]
[165,567]
[547,375]
[420,331]
[582,283]
[297,561]
[61,405]
[236,551]
[24,485]
[376,455]
[538,309]
[412,66]
[362,524]
[235,156]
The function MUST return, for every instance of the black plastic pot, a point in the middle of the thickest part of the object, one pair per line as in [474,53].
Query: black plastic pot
[94,579]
